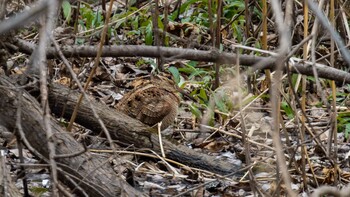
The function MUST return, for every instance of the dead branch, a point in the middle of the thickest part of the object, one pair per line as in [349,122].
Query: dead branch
[92,173]
[170,53]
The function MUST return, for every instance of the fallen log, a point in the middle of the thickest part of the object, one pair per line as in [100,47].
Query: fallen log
[130,131]
[92,173]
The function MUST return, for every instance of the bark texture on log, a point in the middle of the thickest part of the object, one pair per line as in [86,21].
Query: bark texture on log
[130,131]
[91,172]
[7,186]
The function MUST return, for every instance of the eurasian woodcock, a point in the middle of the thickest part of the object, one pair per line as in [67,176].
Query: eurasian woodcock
[152,101]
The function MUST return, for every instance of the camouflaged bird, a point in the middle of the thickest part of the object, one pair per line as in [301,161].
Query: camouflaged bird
[152,101]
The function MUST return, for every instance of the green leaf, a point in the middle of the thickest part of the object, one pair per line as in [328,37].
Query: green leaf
[192,63]
[197,72]
[97,19]
[87,16]
[246,101]
[160,23]
[82,24]
[347,131]
[79,41]
[220,103]
[149,34]
[195,111]
[311,78]
[135,22]
[194,92]
[176,74]
[186,70]
[287,109]
[67,10]
[203,95]
[38,191]
[294,80]
[207,79]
